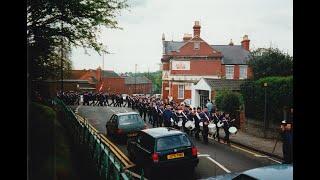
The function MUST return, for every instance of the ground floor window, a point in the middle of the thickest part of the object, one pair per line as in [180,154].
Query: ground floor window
[180,91]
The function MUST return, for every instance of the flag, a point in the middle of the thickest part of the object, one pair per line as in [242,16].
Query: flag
[101,87]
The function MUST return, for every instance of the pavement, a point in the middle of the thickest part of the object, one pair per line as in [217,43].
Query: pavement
[215,158]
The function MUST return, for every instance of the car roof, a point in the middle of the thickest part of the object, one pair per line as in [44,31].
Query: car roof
[275,172]
[126,113]
[162,132]
[279,171]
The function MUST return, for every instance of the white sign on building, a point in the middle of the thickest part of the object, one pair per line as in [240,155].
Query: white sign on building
[165,75]
[180,65]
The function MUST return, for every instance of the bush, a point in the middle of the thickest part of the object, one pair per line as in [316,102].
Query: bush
[228,101]
[279,95]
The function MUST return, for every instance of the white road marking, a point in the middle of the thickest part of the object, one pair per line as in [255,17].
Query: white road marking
[274,160]
[203,155]
[77,109]
[222,167]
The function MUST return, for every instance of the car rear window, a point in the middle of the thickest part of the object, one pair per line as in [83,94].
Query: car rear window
[171,142]
[129,119]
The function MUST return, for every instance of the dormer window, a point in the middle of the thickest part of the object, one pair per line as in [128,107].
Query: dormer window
[196,45]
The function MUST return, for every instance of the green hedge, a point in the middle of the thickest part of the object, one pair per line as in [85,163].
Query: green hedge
[228,101]
[279,95]
[50,154]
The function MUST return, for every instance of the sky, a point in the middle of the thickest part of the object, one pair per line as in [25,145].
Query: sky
[266,22]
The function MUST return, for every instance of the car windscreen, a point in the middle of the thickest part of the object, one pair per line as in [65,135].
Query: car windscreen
[129,119]
[171,142]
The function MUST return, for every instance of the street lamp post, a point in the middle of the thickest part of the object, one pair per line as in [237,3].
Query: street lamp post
[135,79]
[265,108]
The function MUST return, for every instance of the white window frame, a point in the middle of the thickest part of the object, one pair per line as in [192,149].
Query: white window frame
[228,74]
[180,96]
[194,46]
[244,74]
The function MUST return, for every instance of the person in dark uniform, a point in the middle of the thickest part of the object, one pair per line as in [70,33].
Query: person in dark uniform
[154,113]
[205,120]
[167,116]
[160,115]
[101,99]
[226,126]
[197,119]
[286,133]
[144,110]
[216,119]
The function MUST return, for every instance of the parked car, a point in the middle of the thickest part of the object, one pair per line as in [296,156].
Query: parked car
[161,148]
[272,172]
[125,124]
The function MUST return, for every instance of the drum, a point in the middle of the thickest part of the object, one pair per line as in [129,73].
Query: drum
[233,130]
[188,124]
[219,124]
[180,123]
[201,125]
[212,128]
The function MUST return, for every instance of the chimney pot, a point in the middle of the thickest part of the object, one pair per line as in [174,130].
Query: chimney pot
[196,29]
[245,43]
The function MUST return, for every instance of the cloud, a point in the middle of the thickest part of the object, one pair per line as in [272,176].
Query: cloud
[140,43]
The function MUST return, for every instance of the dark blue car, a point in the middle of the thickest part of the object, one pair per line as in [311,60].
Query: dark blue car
[273,172]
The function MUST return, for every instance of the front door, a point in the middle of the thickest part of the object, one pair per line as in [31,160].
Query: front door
[204,96]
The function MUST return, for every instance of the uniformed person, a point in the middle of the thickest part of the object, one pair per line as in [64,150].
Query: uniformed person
[286,133]
[226,126]
[205,120]
[197,119]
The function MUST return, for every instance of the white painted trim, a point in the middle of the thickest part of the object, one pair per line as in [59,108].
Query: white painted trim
[191,78]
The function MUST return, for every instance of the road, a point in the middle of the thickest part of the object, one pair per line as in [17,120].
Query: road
[214,158]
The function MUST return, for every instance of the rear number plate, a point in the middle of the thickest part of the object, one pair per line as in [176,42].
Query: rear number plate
[174,156]
[132,134]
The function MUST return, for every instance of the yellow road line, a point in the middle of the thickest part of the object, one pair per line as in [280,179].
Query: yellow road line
[250,152]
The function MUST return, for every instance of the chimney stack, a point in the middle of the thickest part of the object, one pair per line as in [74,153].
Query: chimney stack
[245,43]
[231,43]
[163,37]
[187,37]
[196,29]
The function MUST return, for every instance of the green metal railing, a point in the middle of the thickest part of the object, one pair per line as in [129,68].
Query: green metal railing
[84,136]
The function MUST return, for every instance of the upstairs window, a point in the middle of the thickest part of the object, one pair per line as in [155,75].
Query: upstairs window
[229,72]
[196,45]
[181,92]
[243,72]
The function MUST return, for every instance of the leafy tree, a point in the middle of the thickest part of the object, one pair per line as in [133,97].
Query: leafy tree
[270,62]
[53,23]
[228,101]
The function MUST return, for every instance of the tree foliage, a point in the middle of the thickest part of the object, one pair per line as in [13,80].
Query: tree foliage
[279,92]
[53,23]
[228,101]
[270,62]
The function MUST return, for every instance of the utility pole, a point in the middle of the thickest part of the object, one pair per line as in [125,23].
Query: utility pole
[265,109]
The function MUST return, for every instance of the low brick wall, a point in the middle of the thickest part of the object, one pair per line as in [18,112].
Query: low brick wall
[256,128]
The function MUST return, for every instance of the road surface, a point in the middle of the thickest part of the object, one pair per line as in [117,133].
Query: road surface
[214,158]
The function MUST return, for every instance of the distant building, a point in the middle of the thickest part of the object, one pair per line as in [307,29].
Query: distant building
[186,62]
[111,82]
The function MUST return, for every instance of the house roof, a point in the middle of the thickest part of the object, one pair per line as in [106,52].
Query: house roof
[235,54]
[220,84]
[137,80]
[109,73]
[172,45]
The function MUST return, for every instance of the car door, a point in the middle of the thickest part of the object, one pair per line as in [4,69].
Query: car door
[145,149]
[108,124]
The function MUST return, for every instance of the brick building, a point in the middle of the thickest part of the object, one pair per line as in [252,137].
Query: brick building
[185,62]
[113,83]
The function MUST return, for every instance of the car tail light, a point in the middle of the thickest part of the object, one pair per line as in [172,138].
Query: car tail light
[155,157]
[119,131]
[194,151]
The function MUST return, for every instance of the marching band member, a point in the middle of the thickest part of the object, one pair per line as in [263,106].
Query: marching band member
[205,120]
[226,126]
[167,116]
[216,119]
[197,121]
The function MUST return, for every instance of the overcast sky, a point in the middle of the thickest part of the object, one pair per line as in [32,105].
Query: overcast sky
[266,22]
